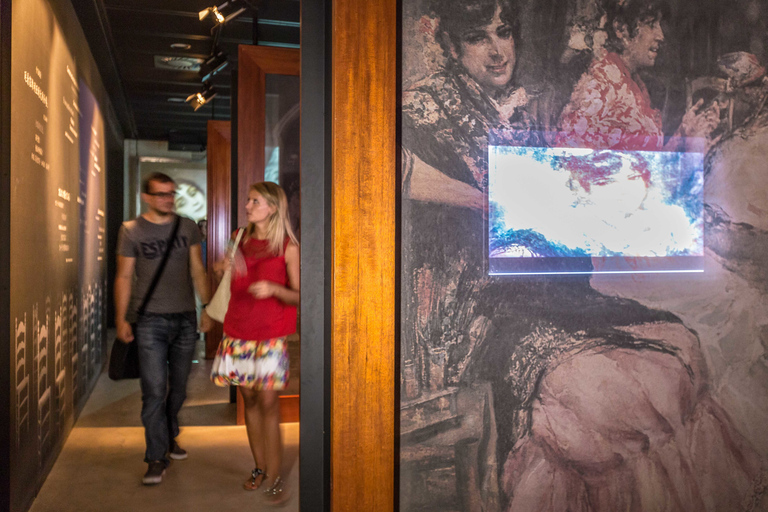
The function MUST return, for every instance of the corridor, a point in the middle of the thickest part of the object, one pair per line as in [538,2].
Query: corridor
[100,466]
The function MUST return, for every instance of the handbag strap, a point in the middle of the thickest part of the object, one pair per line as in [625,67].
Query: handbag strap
[159,271]
[237,239]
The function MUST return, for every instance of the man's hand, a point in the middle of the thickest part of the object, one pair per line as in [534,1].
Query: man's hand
[124,332]
[205,322]
[698,124]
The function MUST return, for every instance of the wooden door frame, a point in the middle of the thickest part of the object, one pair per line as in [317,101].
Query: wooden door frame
[254,64]
[219,216]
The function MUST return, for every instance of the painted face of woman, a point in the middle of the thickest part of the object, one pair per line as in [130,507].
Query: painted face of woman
[488,53]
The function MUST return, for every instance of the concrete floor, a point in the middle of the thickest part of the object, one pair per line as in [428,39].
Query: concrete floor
[101,464]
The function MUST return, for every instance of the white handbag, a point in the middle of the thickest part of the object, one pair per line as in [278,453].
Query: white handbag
[217,307]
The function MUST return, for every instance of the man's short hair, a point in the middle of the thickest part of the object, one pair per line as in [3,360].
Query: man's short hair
[157,177]
[631,13]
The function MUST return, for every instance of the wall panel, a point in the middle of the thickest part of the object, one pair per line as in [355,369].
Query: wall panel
[58,235]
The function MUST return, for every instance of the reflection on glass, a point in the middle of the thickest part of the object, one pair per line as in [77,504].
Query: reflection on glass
[281,144]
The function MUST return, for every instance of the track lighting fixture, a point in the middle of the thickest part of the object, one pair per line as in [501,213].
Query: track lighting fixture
[224,12]
[212,65]
[199,99]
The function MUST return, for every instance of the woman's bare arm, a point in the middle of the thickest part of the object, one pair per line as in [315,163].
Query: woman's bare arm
[431,185]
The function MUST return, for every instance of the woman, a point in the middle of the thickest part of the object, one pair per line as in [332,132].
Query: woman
[566,362]
[262,312]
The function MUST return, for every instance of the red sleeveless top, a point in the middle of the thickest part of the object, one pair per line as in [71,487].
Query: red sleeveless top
[249,318]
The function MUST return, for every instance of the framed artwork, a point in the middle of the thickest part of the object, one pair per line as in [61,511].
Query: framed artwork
[582,279]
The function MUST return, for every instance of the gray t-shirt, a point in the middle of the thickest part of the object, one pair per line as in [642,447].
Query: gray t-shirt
[145,241]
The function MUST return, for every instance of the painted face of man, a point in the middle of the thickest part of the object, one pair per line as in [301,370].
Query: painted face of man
[488,53]
[641,49]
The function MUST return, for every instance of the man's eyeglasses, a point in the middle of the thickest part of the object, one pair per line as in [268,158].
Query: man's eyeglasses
[164,195]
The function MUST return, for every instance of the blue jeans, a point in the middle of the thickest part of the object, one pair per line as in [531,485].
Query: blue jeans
[166,348]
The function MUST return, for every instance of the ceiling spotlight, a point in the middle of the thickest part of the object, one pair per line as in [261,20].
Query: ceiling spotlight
[212,65]
[224,12]
[211,10]
[199,99]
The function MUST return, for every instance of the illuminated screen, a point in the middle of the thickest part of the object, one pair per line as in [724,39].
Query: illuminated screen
[575,210]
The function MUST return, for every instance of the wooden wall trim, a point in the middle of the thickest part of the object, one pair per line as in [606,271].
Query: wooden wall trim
[254,63]
[364,188]
[219,158]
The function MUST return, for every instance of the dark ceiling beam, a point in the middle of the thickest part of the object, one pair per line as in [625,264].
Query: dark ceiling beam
[182,123]
[194,15]
[183,86]
[157,95]
[95,23]
[161,47]
[194,5]
[268,9]
[143,89]
[179,123]
[184,110]
[135,28]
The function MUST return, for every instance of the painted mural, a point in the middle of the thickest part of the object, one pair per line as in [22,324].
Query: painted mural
[588,391]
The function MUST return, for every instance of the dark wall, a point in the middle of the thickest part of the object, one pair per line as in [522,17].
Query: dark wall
[5,250]
[63,140]
[115,200]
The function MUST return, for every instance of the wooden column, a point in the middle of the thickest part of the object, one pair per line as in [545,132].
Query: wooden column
[219,211]
[364,188]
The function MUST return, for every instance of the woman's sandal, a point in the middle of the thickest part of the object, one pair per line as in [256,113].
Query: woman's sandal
[253,483]
[276,494]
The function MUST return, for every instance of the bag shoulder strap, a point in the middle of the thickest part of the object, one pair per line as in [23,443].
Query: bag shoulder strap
[239,236]
[159,271]
[230,253]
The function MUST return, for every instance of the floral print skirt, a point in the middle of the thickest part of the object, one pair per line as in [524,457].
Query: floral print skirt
[261,365]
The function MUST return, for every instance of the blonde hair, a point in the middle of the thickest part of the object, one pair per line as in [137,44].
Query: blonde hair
[279,223]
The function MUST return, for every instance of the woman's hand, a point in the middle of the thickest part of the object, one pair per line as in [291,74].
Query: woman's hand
[262,289]
[236,264]
[205,322]
[239,268]
[220,267]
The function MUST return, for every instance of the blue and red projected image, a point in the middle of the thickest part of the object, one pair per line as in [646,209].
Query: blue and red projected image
[560,210]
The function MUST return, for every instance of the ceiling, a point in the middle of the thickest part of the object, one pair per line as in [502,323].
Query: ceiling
[130,38]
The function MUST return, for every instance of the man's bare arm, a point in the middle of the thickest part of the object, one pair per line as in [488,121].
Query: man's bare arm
[123,284]
[200,280]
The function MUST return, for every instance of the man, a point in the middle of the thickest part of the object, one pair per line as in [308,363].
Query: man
[166,332]
[610,107]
